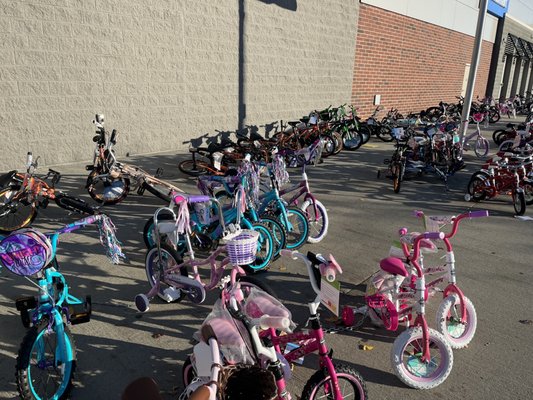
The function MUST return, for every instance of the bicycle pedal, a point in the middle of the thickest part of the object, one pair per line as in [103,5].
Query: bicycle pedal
[159,172]
[140,191]
[80,313]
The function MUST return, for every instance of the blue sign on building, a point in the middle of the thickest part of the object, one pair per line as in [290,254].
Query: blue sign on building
[498,7]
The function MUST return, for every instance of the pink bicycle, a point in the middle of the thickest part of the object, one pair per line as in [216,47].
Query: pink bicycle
[263,318]
[421,357]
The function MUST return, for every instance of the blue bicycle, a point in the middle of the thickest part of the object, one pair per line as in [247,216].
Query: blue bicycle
[47,356]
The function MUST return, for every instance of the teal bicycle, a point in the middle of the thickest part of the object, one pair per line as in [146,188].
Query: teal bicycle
[47,356]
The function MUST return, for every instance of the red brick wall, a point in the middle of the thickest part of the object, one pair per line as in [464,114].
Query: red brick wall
[412,64]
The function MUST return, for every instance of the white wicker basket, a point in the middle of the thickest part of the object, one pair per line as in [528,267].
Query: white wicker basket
[242,248]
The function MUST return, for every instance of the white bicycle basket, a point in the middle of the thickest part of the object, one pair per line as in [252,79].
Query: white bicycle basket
[242,248]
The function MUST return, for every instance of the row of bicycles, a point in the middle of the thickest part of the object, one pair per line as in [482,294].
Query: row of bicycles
[238,222]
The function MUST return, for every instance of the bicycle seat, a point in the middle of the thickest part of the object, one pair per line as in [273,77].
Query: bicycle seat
[510,125]
[260,303]
[193,149]
[6,178]
[393,266]
[293,123]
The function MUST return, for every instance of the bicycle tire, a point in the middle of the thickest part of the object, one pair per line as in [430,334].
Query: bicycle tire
[397,176]
[108,191]
[337,138]
[407,363]
[351,139]
[519,202]
[265,247]
[496,134]
[279,234]
[27,371]
[329,146]
[476,187]
[449,323]
[188,167]
[171,259]
[365,132]
[297,229]
[481,147]
[318,220]
[75,204]
[384,133]
[528,192]
[494,116]
[158,190]
[14,215]
[320,384]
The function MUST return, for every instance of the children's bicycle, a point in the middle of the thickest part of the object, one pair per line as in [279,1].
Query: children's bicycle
[481,145]
[47,356]
[263,318]
[421,357]
[456,316]
[168,275]
[26,193]
[109,180]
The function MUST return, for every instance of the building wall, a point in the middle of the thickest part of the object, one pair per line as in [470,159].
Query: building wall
[515,27]
[162,71]
[412,64]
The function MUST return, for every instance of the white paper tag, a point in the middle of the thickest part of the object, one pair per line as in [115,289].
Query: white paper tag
[330,294]
[217,158]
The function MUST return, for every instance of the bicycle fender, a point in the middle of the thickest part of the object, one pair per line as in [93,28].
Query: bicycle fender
[453,288]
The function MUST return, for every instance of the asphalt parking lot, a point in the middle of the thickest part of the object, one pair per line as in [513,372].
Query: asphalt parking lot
[493,264]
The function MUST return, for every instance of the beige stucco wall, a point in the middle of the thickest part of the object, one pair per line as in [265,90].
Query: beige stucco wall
[162,71]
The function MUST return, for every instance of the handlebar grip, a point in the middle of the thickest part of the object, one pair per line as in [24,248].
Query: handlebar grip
[288,253]
[434,235]
[198,199]
[281,323]
[328,272]
[478,214]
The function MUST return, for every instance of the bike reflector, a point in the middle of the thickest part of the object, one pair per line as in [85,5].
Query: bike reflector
[25,252]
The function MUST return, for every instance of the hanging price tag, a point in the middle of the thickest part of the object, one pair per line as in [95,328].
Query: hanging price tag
[330,294]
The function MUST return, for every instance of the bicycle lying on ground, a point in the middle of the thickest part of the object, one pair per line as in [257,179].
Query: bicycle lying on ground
[47,356]
[26,193]
[109,181]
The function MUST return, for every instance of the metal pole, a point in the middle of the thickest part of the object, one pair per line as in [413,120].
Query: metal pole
[483,4]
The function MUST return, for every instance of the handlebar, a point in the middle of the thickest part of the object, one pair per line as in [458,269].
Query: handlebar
[266,321]
[455,220]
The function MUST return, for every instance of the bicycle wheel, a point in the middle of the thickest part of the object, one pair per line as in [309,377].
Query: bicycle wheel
[506,145]
[397,176]
[477,187]
[107,190]
[365,132]
[449,323]
[494,116]
[329,146]
[337,139]
[351,139]
[317,216]
[39,374]
[385,133]
[528,192]
[279,235]
[297,227]
[519,202]
[497,135]
[320,386]
[407,363]
[155,266]
[14,214]
[159,190]
[481,147]
[265,248]
[193,168]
